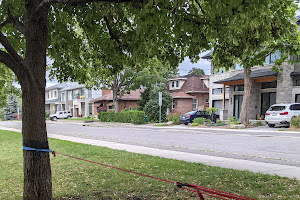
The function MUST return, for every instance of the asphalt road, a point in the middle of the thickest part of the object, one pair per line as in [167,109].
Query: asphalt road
[261,145]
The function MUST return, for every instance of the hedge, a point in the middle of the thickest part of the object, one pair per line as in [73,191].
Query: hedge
[132,116]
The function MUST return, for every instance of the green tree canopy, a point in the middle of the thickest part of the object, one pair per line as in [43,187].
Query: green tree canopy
[196,71]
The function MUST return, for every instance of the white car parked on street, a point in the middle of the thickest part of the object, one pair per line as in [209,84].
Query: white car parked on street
[281,114]
[61,115]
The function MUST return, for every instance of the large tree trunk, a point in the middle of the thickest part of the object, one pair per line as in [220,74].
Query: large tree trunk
[246,98]
[115,99]
[37,171]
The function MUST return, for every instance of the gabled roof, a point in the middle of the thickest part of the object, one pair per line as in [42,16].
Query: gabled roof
[254,74]
[207,56]
[181,95]
[134,95]
[192,83]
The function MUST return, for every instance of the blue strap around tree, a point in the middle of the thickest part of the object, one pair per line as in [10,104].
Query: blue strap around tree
[36,151]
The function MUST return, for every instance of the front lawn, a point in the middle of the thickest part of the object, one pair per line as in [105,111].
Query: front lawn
[75,179]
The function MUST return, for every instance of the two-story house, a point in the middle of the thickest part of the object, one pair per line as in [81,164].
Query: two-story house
[189,92]
[268,87]
[77,99]
[53,98]
[71,96]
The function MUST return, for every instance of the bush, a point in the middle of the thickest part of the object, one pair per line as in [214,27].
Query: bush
[174,118]
[295,122]
[233,120]
[1,115]
[194,124]
[132,116]
[217,124]
[259,123]
[47,115]
[200,120]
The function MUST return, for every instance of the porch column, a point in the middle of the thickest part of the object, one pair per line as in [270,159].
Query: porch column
[223,105]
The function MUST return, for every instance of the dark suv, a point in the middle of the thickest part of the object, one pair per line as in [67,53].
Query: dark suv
[190,116]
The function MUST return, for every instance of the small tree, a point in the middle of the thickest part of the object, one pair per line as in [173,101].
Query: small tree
[212,111]
[11,109]
[196,71]
[152,108]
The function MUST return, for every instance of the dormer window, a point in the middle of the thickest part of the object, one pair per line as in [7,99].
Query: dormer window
[173,84]
[177,83]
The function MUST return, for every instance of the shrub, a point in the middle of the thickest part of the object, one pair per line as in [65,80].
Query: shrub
[233,120]
[211,111]
[295,122]
[132,116]
[217,124]
[194,124]
[174,118]
[47,115]
[200,120]
[1,115]
[259,123]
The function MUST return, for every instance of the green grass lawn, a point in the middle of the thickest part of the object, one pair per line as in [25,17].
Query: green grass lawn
[75,179]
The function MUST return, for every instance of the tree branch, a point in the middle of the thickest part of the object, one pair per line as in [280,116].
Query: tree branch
[9,48]
[114,36]
[6,59]
[200,6]
[15,22]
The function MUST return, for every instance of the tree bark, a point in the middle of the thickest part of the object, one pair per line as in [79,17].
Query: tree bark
[246,98]
[115,99]
[37,170]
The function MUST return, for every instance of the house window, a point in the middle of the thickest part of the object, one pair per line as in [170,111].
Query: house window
[207,101]
[63,97]
[173,104]
[239,88]
[297,82]
[173,84]
[217,91]
[111,107]
[47,95]
[269,85]
[177,83]
[69,95]
[51,95]
[227,90]
[297,98]
[55,94]
[195,104]
[76,94]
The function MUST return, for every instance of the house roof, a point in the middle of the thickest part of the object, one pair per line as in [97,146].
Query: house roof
[181,95]
[134,95]
[254,74]
[57,86]
[193,83]
[207,56]
[73,86]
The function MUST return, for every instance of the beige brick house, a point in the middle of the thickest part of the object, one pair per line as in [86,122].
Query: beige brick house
[189,92]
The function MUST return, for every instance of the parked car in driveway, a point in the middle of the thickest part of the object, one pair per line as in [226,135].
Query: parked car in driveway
[190,116]
[61,115]
[281,114]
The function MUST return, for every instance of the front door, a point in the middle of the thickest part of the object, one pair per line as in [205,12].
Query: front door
[267,99]
[238,100]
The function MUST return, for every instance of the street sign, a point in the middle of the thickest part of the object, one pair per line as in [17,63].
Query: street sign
[160,98]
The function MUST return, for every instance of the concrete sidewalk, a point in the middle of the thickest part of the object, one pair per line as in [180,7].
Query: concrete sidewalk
[265,168]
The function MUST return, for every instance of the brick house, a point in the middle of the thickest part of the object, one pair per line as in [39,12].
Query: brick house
[189,92]
[105,102]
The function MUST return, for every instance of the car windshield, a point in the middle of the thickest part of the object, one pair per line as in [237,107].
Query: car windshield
[277,108]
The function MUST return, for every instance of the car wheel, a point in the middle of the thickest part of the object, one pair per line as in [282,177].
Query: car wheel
[271,125]
[68,117]
[54,118]
[186,123]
